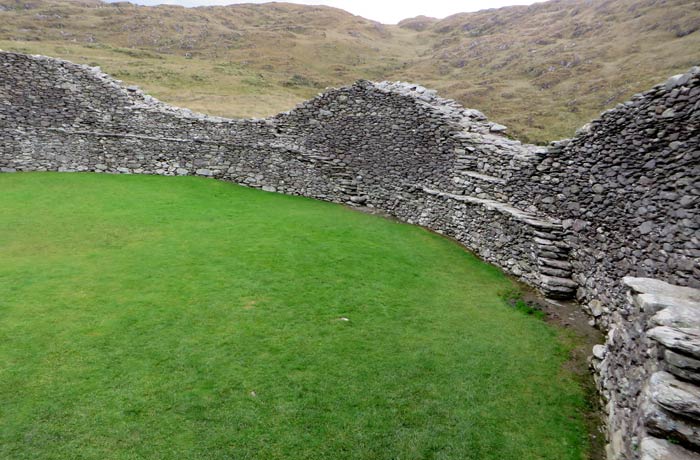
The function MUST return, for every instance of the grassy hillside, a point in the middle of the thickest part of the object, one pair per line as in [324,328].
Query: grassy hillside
[237,61]
[548,68]
[543,70]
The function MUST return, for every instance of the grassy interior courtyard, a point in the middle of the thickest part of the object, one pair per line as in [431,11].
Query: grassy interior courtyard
[148,317]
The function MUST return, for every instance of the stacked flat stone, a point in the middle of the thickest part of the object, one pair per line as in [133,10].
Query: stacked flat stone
[662,420]
[626,189]
[371,144]
[620,198]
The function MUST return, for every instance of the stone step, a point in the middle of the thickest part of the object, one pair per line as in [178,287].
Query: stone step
[553,241]
[543,246]
[558,293]
[541,223]
[483,177]
[556,287]
[461,172]
[550,254]
[551,235]
[554,281]
[561,264]
[555,272]
[471,176]
[543,241]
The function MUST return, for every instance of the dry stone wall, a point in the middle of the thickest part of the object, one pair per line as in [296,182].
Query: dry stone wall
[396,147]
[621,198]
[661,419]
[627,191]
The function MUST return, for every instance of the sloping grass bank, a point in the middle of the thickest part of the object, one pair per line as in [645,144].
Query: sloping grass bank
[183,318]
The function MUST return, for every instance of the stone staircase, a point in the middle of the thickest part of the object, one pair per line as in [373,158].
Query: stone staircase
[345,184]
[468,177]
[551,252]
[482,166]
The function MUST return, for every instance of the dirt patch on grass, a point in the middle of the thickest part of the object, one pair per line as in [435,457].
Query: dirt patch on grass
[570,316]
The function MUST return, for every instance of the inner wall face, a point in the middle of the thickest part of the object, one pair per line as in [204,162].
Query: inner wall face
[619,199]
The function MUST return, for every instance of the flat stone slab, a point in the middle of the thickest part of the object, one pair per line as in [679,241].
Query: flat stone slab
[686,340]
[660,449]
[560,264]
[483,177]
[681,315]
[659,422]
[555,282]
[682,366]
[675,395]
[655,286]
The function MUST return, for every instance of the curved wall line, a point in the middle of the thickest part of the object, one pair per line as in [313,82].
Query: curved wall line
[622,198]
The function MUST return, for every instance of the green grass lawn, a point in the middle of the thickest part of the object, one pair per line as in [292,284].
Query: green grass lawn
[184,318]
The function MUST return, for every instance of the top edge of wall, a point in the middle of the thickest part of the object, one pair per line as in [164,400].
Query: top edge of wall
[449,108]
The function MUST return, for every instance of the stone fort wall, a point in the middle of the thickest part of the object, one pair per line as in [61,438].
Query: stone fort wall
[622,198]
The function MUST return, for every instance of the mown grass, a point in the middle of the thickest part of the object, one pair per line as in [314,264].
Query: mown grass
[183,318]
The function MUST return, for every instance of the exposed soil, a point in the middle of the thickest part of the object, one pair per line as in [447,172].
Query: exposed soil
[570,316]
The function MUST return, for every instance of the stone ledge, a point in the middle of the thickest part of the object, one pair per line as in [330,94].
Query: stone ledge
[656,286]
[659,449]
[662,423]
[682,366]
[482,177]
[504,208]
[679,397]
[683,340]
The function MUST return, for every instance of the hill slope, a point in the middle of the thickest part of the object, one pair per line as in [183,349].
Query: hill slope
[543,70]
